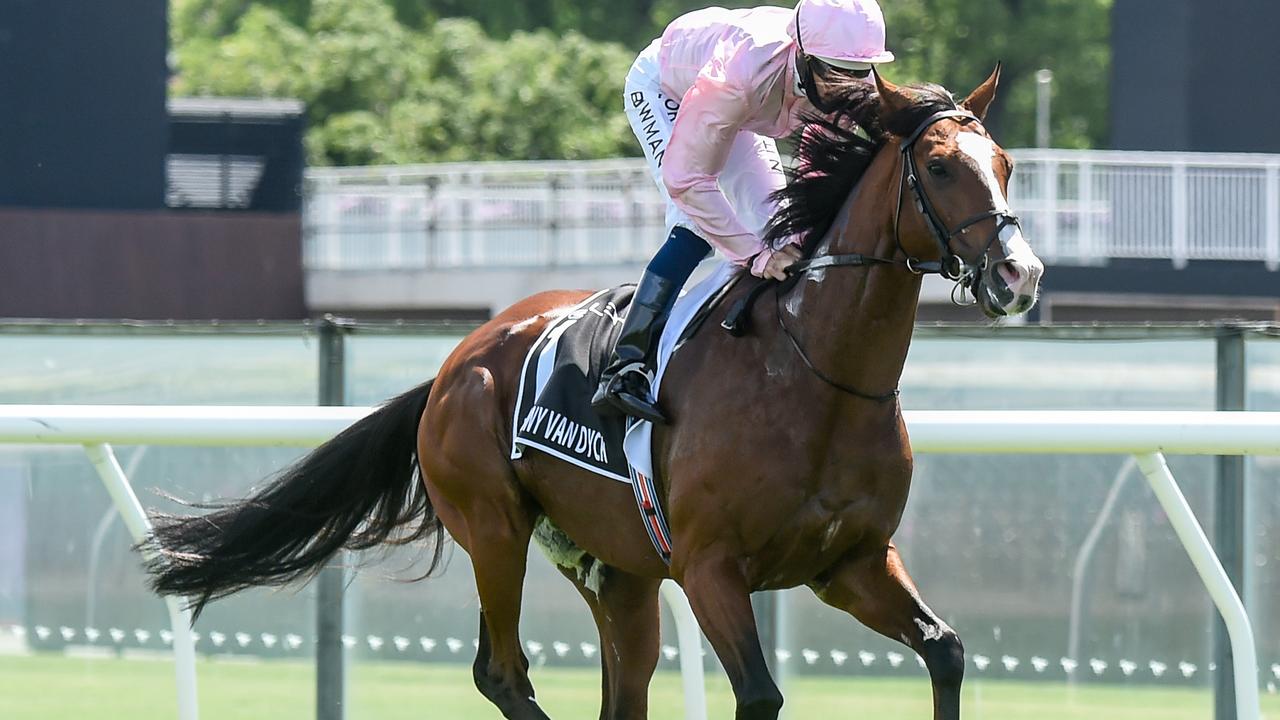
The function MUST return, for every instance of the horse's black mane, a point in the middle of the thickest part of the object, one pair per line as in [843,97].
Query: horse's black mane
[832,156]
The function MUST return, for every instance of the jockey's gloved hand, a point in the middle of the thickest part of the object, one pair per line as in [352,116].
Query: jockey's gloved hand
[773,264]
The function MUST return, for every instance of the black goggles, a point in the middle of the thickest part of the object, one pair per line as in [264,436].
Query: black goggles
[823,68]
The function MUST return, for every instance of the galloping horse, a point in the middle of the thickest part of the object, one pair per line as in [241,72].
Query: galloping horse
[787,462]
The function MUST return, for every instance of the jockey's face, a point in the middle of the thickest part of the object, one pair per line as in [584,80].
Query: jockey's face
[827,78]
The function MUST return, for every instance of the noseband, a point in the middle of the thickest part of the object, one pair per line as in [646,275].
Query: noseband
[950,265]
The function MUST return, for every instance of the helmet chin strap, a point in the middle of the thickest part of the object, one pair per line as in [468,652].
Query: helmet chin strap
[805,75]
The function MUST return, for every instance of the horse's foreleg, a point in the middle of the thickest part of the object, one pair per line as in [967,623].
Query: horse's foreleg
[721,600]
[876,590]
[625,608]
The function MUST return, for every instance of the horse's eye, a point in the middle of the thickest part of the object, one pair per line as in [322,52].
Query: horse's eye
[937,169]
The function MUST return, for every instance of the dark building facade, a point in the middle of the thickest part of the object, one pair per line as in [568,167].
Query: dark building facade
[82,104]
[150,266]
[113,204]
[1195,75]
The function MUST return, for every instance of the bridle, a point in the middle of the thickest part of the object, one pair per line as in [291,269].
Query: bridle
[950,265]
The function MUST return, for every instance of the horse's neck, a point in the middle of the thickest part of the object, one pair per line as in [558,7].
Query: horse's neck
[855,323]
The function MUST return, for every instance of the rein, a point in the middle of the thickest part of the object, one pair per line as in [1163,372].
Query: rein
[849,389]
[951,266]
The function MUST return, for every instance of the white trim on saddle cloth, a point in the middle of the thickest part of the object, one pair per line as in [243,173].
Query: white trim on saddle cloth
[637,442]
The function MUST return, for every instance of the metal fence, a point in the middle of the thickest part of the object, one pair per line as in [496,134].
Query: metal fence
[467,215]
[1078,207]
[1089,206]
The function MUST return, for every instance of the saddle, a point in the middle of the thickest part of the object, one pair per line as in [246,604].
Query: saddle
[553,412]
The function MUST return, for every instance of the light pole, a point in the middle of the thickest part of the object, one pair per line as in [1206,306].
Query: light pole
[1044,84]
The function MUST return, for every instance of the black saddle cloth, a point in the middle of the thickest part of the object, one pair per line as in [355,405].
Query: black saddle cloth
[560,374]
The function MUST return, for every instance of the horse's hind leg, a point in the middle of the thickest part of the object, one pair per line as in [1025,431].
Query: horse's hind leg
[876,590]
[499,545]
[492,521]
[607,661]
[625,608]
[478,497]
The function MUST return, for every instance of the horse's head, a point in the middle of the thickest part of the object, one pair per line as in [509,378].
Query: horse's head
[951,207]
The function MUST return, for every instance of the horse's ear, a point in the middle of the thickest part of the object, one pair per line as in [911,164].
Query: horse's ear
[980,99]
[892,99]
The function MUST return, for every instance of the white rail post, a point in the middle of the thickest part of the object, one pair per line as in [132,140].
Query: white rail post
[1272,203]
[1049,187]
[126,502]
[1085,241]
[1215,579]
[690,641]
[1180,209]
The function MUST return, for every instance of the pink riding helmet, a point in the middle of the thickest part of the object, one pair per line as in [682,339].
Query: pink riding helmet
[844,33]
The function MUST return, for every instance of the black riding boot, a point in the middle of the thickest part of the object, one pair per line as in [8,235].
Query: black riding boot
[626,384]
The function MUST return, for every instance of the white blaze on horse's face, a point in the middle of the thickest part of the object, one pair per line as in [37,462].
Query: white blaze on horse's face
[1020,269]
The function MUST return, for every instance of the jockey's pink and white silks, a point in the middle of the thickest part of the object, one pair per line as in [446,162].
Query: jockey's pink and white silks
[752,170]
[708,97]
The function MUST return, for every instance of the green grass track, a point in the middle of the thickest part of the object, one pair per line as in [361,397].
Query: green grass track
[54,687]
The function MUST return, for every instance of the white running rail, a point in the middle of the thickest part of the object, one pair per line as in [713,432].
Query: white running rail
[1145,435]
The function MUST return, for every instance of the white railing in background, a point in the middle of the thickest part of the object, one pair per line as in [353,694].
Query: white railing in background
[1078,207]
[1087,206]
[1145,435]
[534,214]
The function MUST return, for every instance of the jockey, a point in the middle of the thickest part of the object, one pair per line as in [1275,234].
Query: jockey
[706,101]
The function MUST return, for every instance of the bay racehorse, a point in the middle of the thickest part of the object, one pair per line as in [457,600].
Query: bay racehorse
[786,463]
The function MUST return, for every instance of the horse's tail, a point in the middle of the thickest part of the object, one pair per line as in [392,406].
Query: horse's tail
[355,491]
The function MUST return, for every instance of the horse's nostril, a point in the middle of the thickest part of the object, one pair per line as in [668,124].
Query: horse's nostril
[1009,273]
